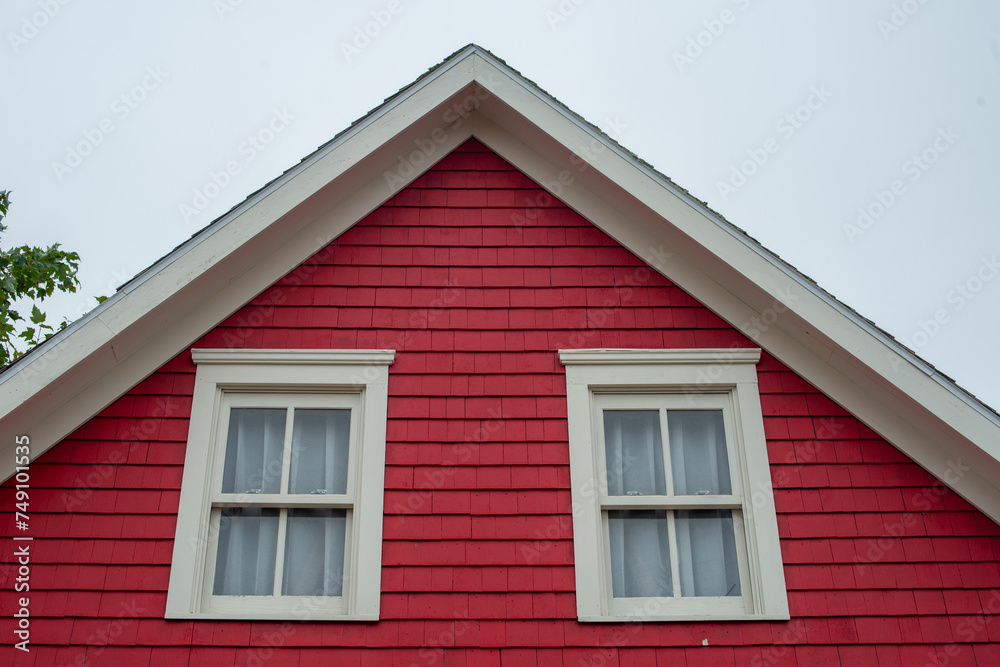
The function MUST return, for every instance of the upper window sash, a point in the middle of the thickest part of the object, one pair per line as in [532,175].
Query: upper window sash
[283,473]
[670,454]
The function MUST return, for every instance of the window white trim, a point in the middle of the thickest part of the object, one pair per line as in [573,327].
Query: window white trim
[357,379]
[725,378]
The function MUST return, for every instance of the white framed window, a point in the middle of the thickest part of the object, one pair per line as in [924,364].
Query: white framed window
[673,512]
[280,511]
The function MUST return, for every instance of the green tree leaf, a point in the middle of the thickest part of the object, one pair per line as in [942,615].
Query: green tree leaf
[31,273]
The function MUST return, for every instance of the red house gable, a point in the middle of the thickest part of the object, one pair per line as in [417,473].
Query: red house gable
[473,385]
[477,277]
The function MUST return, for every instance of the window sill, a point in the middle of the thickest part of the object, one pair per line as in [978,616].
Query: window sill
[302,615]
[638,618]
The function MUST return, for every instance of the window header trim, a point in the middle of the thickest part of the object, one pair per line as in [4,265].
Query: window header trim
[292,357]
[736,355]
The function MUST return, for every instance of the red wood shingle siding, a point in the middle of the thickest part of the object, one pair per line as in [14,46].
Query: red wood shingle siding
[477,277]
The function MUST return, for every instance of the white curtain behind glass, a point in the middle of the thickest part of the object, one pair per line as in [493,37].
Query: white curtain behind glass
[634,452]
[640,556]
[640,549]
[314,539]
[248,541]
[314,542]
[314,552]
[253,451]
[698,452]
[705,539]
[640,553]
[707,548]
[320,446]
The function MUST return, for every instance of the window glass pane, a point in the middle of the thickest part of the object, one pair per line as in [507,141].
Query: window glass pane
[707,546]
[319,451]
[248,542]
[314,552]
[253,451]
[698,452]
[640,553]
[634,452]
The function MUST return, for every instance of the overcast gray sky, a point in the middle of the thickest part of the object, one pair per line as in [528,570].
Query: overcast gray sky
[856,139]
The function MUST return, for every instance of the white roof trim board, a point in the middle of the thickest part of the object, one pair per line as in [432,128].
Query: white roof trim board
[62,383]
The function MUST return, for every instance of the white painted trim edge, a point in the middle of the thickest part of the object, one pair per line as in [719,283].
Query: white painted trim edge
[680,618]
[293,357]
[655,356]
